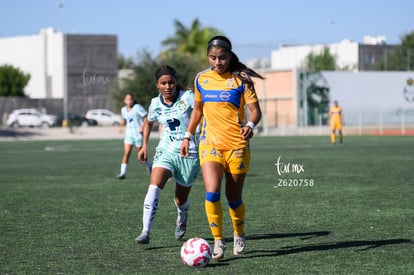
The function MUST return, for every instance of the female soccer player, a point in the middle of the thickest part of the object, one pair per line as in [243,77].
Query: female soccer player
[172,109]
[221,93]
[133,117]
[336,119]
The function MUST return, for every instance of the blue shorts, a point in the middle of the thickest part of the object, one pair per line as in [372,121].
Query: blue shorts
[133,140]
[184,170]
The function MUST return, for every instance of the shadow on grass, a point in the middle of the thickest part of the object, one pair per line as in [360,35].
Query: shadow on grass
[287,250]
[302,235]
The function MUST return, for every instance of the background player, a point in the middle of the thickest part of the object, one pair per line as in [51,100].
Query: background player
[133,117]
[336,121]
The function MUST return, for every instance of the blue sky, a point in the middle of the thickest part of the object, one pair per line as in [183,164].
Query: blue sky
[255,27]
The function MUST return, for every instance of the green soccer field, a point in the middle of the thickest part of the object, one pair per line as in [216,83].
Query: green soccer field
[312,208]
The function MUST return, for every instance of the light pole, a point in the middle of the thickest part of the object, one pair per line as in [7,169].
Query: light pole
[65,122]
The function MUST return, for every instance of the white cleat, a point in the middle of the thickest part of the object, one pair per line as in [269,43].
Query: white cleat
[239,245]
[219,248]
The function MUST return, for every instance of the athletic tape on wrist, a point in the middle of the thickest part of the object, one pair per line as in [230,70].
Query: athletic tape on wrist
[250,124]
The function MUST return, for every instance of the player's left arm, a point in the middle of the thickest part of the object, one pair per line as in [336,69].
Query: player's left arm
[254,119]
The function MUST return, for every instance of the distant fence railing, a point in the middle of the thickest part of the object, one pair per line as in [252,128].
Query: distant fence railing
[400,122]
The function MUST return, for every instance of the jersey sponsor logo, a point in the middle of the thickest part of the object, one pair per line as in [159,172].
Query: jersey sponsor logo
[225,96]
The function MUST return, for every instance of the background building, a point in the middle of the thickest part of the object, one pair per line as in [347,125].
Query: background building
[349,55]
[86,75]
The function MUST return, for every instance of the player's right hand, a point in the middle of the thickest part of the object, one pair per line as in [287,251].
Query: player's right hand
[184,148]
[142,155]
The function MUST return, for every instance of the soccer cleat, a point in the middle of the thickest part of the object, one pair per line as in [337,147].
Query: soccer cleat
[180,229]
[121,176]
[143,238]
[219,248]
[239,245]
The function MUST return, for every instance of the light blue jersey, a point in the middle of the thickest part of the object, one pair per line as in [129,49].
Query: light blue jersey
[134,118]
[174,119]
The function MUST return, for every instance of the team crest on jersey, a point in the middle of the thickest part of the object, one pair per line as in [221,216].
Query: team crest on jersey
[230,83]
[182,106]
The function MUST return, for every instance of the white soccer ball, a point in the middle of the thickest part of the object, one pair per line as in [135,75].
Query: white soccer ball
[196,252]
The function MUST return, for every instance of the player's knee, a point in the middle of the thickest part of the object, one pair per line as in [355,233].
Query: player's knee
[235,204]
[212,196]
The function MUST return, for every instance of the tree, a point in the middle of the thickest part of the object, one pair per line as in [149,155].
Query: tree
[320,62]
[12,81]
[189,41]
[186,52]
[142,86]
[125,63]
[402,58]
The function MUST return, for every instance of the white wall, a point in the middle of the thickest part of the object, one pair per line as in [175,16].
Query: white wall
[40,55]
[371,94]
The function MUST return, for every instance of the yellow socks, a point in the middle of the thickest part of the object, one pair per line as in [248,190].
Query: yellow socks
[333,138]
[214,214]
[237,217]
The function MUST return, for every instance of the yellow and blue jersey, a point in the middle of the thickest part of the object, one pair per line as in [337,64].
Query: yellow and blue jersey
[335,113]
[224,97]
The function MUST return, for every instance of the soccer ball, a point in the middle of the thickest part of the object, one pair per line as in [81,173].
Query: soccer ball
[196,252]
